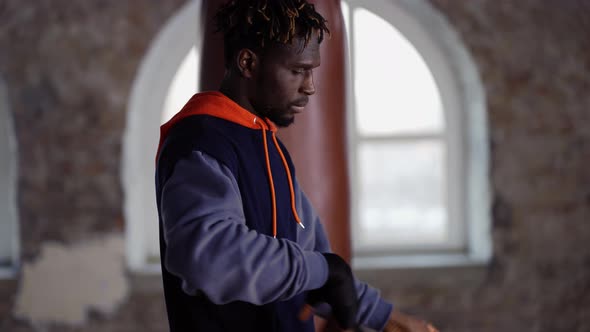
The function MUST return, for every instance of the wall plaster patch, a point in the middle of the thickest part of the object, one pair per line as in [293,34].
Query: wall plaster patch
[65,281]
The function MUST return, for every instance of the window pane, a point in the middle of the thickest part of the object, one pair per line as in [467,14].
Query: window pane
[184,85]
[402,193]
[395,91]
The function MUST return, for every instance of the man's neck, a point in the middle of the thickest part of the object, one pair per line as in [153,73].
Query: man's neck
[234,90]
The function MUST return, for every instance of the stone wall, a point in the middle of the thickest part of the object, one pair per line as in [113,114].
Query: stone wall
[69,66]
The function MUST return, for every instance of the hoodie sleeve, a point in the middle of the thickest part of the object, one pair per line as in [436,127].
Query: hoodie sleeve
[212,250]
[373,310]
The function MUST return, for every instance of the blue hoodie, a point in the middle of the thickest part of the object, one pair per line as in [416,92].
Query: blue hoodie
[240,242]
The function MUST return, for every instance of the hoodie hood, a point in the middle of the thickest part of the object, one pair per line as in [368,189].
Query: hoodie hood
[215,104]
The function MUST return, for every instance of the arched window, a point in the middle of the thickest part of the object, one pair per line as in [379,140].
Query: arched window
[9,235]
[166,79]
[417,138]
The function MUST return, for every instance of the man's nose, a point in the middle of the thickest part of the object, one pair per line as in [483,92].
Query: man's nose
[308,87]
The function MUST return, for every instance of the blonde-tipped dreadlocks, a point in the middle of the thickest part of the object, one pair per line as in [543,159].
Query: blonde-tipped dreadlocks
[254,23]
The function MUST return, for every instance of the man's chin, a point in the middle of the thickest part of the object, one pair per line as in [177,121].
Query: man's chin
[284,122]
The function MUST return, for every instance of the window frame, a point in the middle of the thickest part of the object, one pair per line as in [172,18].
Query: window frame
[465,135]
[9,176]
[146,103]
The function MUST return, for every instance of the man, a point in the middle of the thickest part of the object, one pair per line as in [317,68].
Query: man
[241,247]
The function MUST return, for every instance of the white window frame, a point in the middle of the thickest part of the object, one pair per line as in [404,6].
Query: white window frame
[144,115]
[8,183]
[466,138]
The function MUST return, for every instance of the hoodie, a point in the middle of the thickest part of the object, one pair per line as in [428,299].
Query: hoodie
[240,242]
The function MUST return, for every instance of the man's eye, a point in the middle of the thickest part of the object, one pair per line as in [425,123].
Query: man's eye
[298,71]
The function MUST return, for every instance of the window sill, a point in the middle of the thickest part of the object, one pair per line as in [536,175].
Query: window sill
[147,270]
[399,271]
[146,283]
[416,261]
[8,273]
[146,278]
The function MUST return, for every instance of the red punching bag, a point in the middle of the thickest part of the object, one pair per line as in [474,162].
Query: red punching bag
[317,140]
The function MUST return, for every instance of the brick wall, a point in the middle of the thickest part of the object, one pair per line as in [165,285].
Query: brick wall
[69,67]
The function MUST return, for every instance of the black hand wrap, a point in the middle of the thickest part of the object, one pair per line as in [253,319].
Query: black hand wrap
[338,291]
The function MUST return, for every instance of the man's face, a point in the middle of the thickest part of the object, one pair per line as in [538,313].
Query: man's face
[284,81]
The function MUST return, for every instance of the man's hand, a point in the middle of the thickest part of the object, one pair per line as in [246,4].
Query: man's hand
[399,322]
[338,291]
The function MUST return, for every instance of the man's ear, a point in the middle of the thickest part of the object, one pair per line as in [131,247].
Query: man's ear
[247,62]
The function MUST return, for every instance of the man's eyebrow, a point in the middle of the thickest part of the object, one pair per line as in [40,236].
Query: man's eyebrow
[304,64]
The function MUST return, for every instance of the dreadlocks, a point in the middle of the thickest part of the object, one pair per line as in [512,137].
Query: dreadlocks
[254,23]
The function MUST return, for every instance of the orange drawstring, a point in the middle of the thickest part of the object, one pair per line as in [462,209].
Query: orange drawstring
[272,185]
[293,208]
[271,182]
